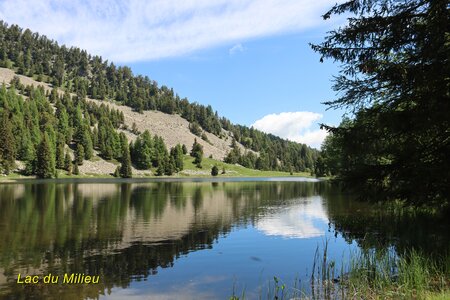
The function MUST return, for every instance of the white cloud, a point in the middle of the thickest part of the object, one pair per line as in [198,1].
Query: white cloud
[144,30]
[295,126]
[236,48]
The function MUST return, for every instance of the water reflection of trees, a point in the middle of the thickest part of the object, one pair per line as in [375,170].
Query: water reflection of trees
[376,226]
[77,228]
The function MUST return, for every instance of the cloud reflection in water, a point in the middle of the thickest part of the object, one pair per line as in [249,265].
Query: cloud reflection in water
[300,221]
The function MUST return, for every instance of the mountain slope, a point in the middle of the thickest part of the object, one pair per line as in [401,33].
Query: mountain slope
[141,101]
[171,127]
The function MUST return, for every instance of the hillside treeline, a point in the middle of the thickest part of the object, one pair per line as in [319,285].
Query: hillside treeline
[78,72]
[55,133]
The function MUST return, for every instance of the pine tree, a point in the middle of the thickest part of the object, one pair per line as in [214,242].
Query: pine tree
[176,153]
[86,141]
[117,172]
[30,165]
[169,167]
[7,144]
[134,128]
[142,151]
[214,171]
[79,154]
[76,171]
[78,125]
[63,122]
[125,168]
[161,169]
[394,78]
[69,169]
[60,152]
[197,153]
[95,137]
[67,161]
[45,167]
[26,148]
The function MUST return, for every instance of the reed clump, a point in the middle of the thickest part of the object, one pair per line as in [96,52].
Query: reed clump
[369,274]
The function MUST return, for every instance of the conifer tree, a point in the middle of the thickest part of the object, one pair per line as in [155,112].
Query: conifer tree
[78,125]
[79,154]
[125,168]
[60,152]
[176,153]
[394,78]
[91,77]
[169,166]
[117,172]
[143,152]
[95,138]
[86,141]
[69,169]
[26,149]
[45,167]
[7,145]
[160,170]
[76,171]
[197,153]
[214,171]
[67,162]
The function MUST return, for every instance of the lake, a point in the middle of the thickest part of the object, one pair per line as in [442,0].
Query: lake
[185,239]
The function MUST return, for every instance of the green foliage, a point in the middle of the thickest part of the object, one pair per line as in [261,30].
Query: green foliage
[169,166]
[7,144]
[125,167]
[204,137]
[90,76]
[86,141]
[75,171]
[147,152]
[143,152]
[117,172]
[197,153]
[67,161]
[45,167]
[60,164]
[234,156]
[249,159]
[68,168]
[108,140]
[160,170]
[394,78]
[195,128]
[176,155]
[79,154]
[320,169]
[214,171]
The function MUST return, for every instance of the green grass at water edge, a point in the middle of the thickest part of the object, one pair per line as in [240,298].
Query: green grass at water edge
[234,170]
[370,275]
[207,163]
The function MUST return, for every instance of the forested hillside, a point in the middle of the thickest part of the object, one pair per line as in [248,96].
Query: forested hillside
[68,121]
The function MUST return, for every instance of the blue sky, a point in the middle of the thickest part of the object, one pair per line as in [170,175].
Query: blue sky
[249,59]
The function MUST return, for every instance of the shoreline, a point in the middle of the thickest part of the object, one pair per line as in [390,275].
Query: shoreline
[182,178]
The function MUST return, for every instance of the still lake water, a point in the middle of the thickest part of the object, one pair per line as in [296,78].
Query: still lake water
[188,239]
